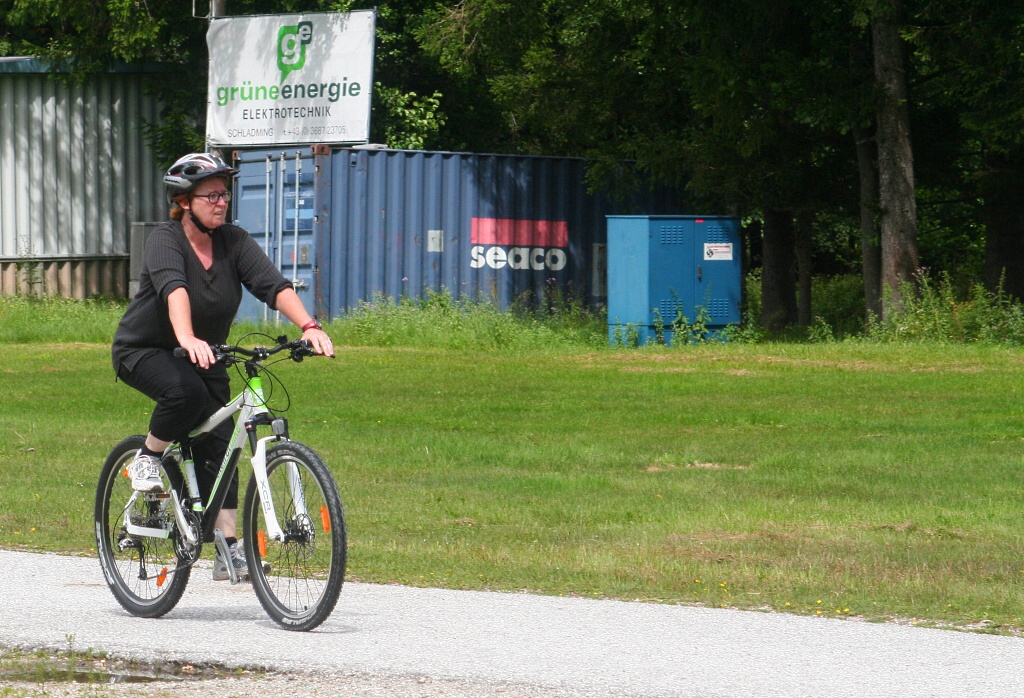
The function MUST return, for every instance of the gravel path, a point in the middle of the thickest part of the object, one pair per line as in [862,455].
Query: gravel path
[436,643]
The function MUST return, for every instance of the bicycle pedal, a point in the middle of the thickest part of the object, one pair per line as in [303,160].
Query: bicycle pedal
[247,577]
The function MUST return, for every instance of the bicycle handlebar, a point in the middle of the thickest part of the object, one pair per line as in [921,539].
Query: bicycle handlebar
[230,353]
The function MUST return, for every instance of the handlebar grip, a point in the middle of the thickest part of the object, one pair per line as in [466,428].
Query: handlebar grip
[218,353]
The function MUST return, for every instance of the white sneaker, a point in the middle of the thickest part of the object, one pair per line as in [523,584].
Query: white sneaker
[238,561]
[145,474]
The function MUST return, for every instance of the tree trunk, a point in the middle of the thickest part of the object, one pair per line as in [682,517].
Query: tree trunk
[871,251]
[1004,226]
[804,248]
[778,280]
[896,199]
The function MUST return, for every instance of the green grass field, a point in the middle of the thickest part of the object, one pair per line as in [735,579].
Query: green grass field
[844,479]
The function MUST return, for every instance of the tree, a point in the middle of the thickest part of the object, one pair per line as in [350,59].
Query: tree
[786,113]
[768,67]
[897,198]
[698,92]
[83,37]
[971,57]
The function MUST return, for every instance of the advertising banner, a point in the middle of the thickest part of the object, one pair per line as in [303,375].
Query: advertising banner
[290,79]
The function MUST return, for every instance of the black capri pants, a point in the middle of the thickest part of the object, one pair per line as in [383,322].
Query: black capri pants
[185,396]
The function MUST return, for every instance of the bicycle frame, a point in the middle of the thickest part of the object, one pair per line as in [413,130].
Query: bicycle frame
[252,412]
[149,547]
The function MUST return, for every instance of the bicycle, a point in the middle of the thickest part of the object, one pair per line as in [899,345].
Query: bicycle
[293,517]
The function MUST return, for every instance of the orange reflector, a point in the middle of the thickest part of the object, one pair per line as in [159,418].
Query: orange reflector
[162,577]
[325,518]
[263,544]
[125,471]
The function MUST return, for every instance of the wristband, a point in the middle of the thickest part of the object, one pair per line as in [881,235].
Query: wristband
[311,324]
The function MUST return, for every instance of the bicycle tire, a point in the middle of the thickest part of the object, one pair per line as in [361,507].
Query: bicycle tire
[145,574]
[297,581]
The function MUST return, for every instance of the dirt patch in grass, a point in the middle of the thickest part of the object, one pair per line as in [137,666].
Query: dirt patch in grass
[694,465]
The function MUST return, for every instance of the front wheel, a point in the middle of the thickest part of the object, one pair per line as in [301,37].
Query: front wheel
[144,572]
[298,579]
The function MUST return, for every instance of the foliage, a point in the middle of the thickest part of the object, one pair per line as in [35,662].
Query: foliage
[751,106]
[441,321]
[838,304]
[85,37]
[747,332]
[685,331]
[175,131]
[932,311]
[414,121]
[970,53]
[455,111]
[752,293]
[25,320]
[951,231]
[756,105]
[820,332]
[565,309]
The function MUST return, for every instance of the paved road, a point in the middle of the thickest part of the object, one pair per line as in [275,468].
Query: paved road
[588,647]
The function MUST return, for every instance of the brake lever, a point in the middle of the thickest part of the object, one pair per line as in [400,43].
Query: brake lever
[301,350]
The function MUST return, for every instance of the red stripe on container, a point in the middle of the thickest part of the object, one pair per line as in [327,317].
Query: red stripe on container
[518,232]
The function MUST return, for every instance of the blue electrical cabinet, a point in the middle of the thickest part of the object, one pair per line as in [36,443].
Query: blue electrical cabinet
[660,266]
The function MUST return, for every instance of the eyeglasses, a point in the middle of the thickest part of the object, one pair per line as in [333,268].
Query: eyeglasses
[215,197]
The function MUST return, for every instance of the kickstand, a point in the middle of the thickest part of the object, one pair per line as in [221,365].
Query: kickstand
[225,552]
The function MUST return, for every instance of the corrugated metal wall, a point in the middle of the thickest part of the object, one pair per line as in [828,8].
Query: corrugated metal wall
[78,278]
[404,222]
[75,172]
[503,228]
[274,200]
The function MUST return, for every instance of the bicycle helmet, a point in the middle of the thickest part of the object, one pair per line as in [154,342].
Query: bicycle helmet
[191,169]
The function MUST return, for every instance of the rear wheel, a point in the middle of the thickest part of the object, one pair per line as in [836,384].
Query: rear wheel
[145,573]
[298,579]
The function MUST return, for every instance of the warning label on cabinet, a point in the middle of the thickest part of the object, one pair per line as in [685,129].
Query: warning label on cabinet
[718,251]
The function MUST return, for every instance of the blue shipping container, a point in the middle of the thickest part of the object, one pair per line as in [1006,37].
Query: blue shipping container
[348,224]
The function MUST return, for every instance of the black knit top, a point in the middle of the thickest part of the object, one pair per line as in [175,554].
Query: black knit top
[214,294]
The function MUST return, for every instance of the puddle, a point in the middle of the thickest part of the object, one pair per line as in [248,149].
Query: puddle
[81,676]
[19,667]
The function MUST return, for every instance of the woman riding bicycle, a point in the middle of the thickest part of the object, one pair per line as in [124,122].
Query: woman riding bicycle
[189,291]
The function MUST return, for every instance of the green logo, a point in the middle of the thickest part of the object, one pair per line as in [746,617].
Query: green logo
[291,47]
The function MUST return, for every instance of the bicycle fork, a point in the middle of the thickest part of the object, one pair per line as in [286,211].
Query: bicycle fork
[259,472]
